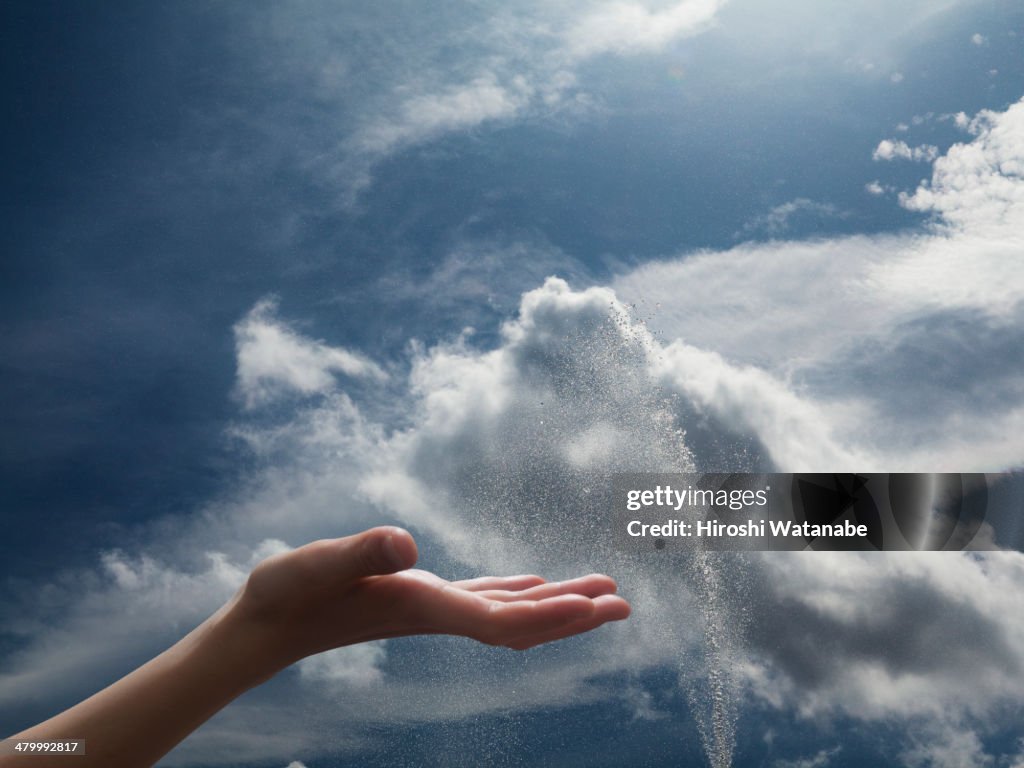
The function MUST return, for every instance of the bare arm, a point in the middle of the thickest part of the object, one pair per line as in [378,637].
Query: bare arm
[324,595]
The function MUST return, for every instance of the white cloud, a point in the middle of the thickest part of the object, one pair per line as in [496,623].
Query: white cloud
[979,39]
[948,747]
[780,218]
[819,760]
[979,184]
[875,188]
[896,77]
[527,65]
[295,764]
[474,473]
[486,422]
[273,360]
[909,632]
[457,107]
[889,149]
[792,289]
[796,432]
[482,277]
[500,454]
[130,604]
[785,353]
[338,92]
[354,665]
[640,702]
[630,27]
[756,342]
[828,319]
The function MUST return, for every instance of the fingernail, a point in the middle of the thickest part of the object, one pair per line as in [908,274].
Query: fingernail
[391,555]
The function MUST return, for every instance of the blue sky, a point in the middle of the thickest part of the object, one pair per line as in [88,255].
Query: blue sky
[275,271]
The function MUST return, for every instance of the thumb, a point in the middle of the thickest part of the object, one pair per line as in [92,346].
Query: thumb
[378,551]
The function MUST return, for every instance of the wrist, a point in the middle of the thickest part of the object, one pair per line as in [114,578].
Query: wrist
[239,651]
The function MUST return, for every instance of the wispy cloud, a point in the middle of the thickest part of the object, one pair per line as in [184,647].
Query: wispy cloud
[457,107]
[781,218]
[630,27]
[527,64]
[819,760]
[273,360]
[348,90]
[376,80]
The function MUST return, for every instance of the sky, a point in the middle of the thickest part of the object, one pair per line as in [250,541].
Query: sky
[280,271]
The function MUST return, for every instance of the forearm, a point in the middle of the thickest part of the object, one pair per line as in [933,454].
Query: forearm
[142,716]
[327,594]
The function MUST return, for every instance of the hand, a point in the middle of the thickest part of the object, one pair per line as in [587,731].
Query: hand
[321,596]
[337,592]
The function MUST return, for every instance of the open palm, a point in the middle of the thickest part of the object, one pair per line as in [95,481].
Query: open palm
[338,592]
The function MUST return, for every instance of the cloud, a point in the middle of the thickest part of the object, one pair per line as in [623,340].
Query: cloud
[947,748]
[630,27]
[979,184]
[868,40]
[498,462]
[358,665]
[788,354]
[875,188]
[499,437]
[498,451]
[641,704]
[889,149]
[979,39]
[132,602]
[481,279]
[334,95]
[274,361]
[1018,759]
[528,66]
[908,632]
[456,108]
[781,217]
[832,321]
[821,759]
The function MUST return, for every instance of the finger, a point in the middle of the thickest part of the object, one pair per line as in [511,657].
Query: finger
[607,608]
[378,551]
[594,585]
[498,583]
[506,621]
